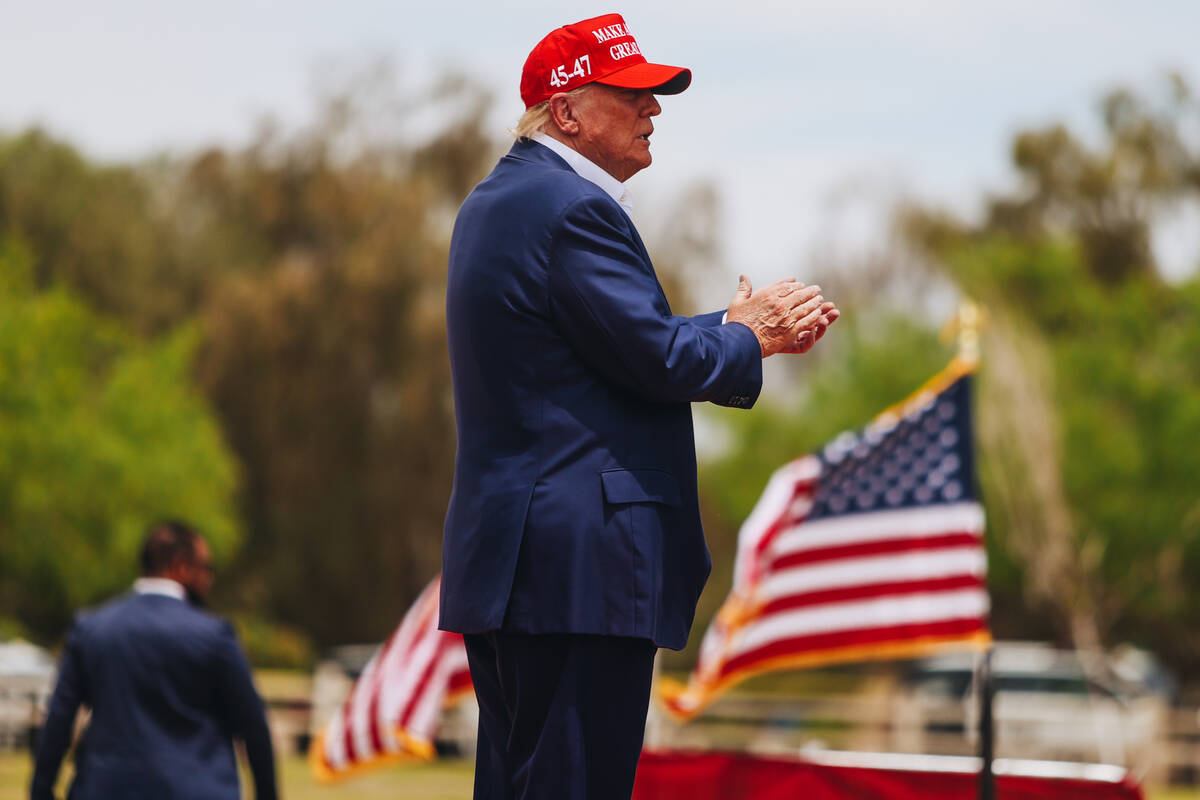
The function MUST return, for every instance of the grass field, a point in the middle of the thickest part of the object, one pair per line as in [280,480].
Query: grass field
[443,780]
[446,780]
[1173,794]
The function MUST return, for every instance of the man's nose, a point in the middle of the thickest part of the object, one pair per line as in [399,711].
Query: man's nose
[651,108]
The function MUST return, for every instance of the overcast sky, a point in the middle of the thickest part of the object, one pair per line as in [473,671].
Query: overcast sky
[810,117]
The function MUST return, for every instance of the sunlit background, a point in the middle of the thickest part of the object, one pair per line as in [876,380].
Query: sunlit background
[223,230]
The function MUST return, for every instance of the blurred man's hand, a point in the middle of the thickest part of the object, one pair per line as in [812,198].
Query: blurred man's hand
[785,316]
[806,339]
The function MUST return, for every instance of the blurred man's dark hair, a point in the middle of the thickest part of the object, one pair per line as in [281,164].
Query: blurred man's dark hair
[168,543]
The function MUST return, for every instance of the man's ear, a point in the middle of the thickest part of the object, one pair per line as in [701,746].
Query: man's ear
[562,114]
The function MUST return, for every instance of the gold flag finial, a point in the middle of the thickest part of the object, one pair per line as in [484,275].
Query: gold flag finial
[965,326]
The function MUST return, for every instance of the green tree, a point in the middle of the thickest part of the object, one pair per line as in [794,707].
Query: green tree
[1088,396]
[1091,392]
[307,272]
[325,353]
[100,433]
[96,229]
[1091,400]
[1105,198]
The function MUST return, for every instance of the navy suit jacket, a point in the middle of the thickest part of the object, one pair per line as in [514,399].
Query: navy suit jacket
[168,688]
[574,507]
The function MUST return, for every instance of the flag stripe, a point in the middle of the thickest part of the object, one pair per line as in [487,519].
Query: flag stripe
[876,525]
[869,590]
[393,709]
[880,569]
[333,752]
[427,709]
[460,679]
[348,735]
[767,519]
[421,648]
[881,612]
[838,639]
[377,744]
[427,674]
[904,544]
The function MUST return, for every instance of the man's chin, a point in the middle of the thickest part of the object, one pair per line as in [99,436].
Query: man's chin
[643,163]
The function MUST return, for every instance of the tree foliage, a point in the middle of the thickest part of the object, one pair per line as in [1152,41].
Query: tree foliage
[94,228]
[1088,399]
[295,287]
[307,270]
[299,282]
[100,433]
[1092,394]
[325,353]
[1105,197]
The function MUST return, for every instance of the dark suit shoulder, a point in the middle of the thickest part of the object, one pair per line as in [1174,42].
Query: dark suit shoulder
[596,206]
[100,615]
[539,186]
[139,612]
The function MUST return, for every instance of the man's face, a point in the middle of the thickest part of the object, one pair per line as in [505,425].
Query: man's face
[615,127]
[197,576]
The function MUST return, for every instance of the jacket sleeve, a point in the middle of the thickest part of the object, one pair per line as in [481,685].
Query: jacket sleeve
[710,320]
[606,301]
[70,691]
[246,714]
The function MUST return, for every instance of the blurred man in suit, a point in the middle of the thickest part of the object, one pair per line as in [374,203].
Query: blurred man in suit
[167,686]
[573,546]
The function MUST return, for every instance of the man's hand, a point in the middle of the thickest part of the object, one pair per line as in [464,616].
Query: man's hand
[780,315]
[806,339]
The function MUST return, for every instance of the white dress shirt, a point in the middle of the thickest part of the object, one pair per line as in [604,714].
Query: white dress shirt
[163,586]
[588,169]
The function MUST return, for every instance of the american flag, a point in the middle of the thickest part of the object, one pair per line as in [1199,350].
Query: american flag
[394,708]
[870,548]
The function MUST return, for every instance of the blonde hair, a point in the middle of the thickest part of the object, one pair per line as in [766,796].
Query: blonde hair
[532,121]
[538,117]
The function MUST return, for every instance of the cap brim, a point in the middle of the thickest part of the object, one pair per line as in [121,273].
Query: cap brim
[658,78]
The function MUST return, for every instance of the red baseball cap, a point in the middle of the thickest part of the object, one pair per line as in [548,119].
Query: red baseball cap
[600,49]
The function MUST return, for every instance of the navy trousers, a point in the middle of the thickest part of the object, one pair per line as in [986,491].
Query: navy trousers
[561,716]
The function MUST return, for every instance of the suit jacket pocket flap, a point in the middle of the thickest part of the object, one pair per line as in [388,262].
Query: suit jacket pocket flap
[640,486]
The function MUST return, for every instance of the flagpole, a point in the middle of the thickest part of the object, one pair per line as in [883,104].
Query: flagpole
[987,727]
[965,326]
[970,320]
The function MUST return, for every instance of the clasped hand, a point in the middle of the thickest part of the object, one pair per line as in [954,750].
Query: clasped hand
[786,317]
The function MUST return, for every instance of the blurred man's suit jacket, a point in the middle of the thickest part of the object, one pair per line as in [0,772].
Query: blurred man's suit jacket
[168,688]
[574,507]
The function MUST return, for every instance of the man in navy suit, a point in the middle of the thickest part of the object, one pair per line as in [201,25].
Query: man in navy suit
[573,546]
[168,689]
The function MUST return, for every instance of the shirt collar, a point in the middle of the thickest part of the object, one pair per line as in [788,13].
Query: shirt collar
[163,586]
[589,170]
